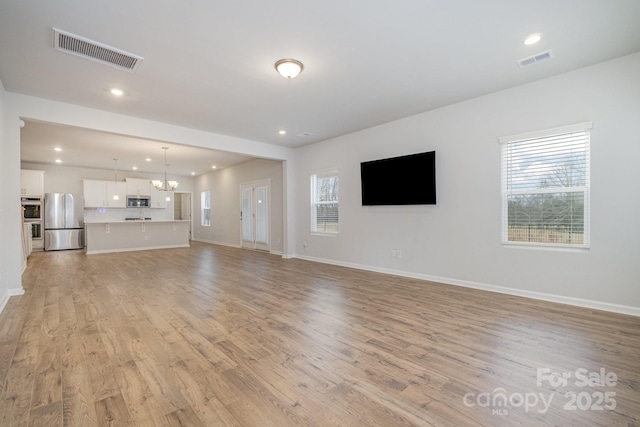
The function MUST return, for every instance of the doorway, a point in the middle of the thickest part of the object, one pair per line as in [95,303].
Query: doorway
[254,215]
[182,208]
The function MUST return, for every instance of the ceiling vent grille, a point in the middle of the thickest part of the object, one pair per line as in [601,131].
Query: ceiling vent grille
[539,57]
[80,46]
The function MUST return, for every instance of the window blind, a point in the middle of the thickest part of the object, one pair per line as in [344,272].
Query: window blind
[324,200]
[545,187]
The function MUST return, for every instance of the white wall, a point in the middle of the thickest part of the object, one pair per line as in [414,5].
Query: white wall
[4,289]
[225,201]
[458,240]
[68,179]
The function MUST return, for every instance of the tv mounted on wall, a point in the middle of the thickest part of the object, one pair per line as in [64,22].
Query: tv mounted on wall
[405,180]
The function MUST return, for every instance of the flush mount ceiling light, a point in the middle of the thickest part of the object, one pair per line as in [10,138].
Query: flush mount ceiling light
[532,39]
[289,68]
[117,92]
[165,185]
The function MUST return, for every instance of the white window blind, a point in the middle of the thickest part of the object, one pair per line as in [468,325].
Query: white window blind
[205,208]
[324,202]
[545,187]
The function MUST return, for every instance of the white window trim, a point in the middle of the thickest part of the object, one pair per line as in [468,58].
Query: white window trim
[312,199]
[578,127]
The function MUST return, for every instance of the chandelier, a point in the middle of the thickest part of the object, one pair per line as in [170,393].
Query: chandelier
[165,185]
[115,179]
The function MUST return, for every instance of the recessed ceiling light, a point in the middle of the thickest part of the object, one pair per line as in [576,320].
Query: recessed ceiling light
[282,132]
[193,173]
[147,159]
[135,168]
[214,167]
[58,161]
[532,39]
[117,92]
[57,149]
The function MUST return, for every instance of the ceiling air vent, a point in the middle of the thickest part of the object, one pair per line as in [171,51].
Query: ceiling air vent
[540,57]
[80,46]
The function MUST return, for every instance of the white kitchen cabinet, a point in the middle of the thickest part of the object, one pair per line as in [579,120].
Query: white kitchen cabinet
[31,183]
[99,194]
[138,187]
[119,188]
[158,198]
[94,193]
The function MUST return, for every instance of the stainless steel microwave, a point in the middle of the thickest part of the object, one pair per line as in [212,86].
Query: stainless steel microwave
[138,201]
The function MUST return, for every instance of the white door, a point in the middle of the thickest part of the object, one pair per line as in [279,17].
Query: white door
[182,208]
[254,215]
[185,207]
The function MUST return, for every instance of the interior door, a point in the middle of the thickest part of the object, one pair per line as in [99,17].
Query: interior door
[254,215]
[185,208]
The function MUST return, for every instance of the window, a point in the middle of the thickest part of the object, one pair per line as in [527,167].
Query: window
[205,208]
[545,187]
[324,202]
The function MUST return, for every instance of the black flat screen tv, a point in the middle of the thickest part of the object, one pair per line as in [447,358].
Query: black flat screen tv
[405,180]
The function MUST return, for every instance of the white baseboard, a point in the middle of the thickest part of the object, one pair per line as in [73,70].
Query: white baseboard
[146,248]
[579,302]
[230,245]
[16,292]
[214,242]
[4,299]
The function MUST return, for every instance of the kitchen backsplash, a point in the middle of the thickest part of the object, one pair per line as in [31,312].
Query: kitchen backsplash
[120,214]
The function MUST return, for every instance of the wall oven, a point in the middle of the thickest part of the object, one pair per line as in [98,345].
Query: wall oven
[36,229]
[32,208]
[32,214]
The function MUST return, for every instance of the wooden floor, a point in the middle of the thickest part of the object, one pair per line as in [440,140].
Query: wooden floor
[215,336]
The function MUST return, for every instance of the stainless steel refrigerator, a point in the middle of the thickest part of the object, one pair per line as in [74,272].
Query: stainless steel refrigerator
[63,221]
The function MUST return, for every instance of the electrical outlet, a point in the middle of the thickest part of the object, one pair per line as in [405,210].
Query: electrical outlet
[394,253]
[398,253]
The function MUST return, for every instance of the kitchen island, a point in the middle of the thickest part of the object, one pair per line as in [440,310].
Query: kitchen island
[122,236]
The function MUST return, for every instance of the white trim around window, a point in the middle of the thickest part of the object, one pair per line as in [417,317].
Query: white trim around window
[546,187]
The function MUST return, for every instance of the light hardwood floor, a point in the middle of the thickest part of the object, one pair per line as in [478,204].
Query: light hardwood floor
[215,336]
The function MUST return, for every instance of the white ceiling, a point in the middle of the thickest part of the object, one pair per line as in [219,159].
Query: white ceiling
[209,65]
[93,149]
